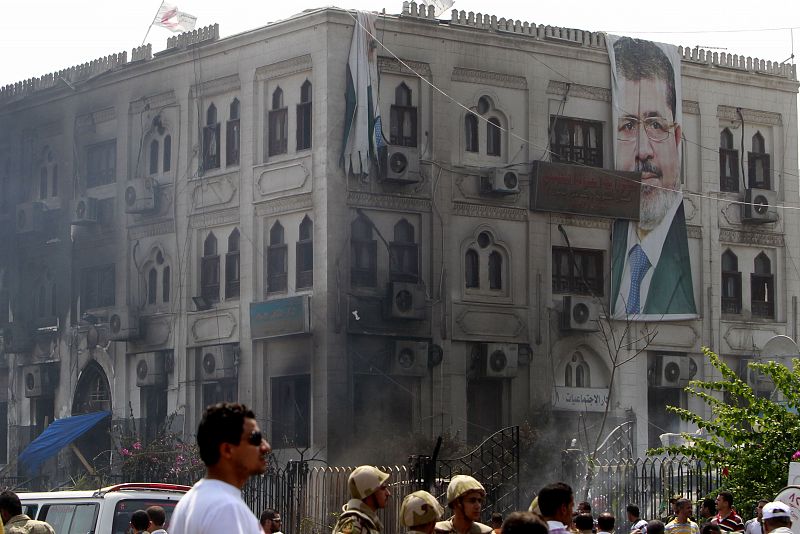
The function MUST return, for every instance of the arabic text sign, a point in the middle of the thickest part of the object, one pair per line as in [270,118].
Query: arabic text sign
[280,317]
[580,399]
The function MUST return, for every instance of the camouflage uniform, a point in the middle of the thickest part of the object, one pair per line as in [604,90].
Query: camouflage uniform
[22,524]
[446,527]
[357,518]
[461,485]
[418,509]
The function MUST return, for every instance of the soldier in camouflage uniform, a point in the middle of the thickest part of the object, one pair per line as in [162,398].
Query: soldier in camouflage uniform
[419,512]
[464,497]
[369,494]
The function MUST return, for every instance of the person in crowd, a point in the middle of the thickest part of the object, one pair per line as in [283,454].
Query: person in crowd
[465,498]
[584,508]
[584,523]
[708,510]
[496,522]
[157,516]
[233,449]
[710,528]
[420,512]
[270,521]
[555,503]
[139,521]
[727,518]
[777,518]
[655,527]
[368,494]
[524,523]
[753,526]
[15,521]
[635,518]
[605,523]
[682,524]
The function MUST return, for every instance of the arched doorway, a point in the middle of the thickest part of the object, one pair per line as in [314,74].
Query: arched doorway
[93,394]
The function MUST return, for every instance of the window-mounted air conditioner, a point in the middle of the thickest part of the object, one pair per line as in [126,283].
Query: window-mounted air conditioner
[150,369]
[410,358]
[502,360]
[84,211]
[500,182]
[219,362]
[760,206]
[123,324]
[406,301]
[39,380]
[402,165]
[674,371]
[579,313]
[140,196]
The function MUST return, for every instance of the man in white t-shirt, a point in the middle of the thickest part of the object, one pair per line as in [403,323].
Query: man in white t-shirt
[233,449]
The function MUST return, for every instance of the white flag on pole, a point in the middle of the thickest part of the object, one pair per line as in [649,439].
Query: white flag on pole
[177,21]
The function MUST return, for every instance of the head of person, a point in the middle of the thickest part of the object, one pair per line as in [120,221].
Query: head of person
[605,522]
[711,528]
[708,508]
[497,520]
[10,505]
[420,511]
[760,509]
[230,439]
[584,522]
[648,136]
[584,507]
[157,516]
[139,520]
[523,523]
[270,521]
[775,515]
[655,527]
[556,502]
[724,502]
[633,513]
[368,484]
[683,509]
[465,497]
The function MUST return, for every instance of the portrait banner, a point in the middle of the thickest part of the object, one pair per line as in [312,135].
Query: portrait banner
[651,273]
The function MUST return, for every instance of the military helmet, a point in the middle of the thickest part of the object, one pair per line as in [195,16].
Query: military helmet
[365,480]
[420,508]
[461,484]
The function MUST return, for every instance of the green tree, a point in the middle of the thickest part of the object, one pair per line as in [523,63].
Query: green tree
[749,437]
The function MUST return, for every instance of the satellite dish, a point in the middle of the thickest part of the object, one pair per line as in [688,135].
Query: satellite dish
[780,349]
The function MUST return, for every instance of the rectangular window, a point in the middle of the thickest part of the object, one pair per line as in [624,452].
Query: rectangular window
[291,411]
[363,263]
[101,163]
[220,391]
[211,147]
[232,136]
[276,268]
[278,135]
[305,264]
[576,141]
[304,126]
[403,125]
[209,278]
[154,411]
[70,518]
[582,275]
[762,295]
[731,292]
[403,258]
[758,170]
[98,287]
[728,169]
[232,275]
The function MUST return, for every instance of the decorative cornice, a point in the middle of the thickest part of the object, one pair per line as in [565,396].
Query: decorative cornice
[90,119]
[285,205]
[215,87]
[581,222]
[750,115]
[691,107]
[589,92]
[751,238]
[393,202]
[160,100]
[285,67]
[388,64]
[152,230]
[483,77]
[466,209]
[695,232]
[217,218]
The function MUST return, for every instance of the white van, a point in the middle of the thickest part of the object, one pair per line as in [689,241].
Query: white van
[104,511]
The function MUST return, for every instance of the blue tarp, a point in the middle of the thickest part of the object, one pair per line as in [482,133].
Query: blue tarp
[56,436]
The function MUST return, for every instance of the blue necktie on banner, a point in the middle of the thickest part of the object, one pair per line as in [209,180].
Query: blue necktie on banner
[639,267]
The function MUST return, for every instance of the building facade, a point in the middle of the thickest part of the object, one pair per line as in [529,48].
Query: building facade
[178,230]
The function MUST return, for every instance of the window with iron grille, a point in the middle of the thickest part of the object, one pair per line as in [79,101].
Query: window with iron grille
[277,261]
[404,254]
[305,255]
[232,135]
[731,299]
[583,276]
[363,254]
[304,117]
[211,141]
[232,274]
[101,163]
[576,141]
[758,167]
[403,118]
[209,270]
[762,288]
[278,125]
[97,287]
[728,163]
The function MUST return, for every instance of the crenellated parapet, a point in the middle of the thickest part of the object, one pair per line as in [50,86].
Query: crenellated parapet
[206,33]
[737,62]
[142,53]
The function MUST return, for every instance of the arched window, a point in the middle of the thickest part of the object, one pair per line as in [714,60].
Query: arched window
[232,135]
[493,136]
[731,284]
[758,143]
[758,164]
[403,118]
[277,260]
[165,284]
[363,253]
[211,140]
[278,124]
[577,372]
[728,162]
[470,133]
[152,285]
[762,288]
[209,270]
[153,156]
[404,253]
[277,98]
[211,115]
[305,254]
[232,274]
[471,269]
[167,153]
[304,117]
[495,270]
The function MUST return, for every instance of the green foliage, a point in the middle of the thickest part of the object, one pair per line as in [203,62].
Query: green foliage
[751,438]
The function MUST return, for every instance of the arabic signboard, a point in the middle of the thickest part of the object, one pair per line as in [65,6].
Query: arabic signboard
[582,190]
[280,317]
[580,399]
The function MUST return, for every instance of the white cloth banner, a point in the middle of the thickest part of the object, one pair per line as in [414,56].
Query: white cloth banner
[170,18]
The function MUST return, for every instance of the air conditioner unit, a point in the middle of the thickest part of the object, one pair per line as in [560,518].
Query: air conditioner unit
[675,370]
[403,165]
[150,369]
[30,217]
[502,360]
[17,337]
[140,196]
[406,301]
[760,206]
[39,380]
[579,313]
[754,377]
[219,362]
[123,324]
[501,182]
[84,211]
[410,358]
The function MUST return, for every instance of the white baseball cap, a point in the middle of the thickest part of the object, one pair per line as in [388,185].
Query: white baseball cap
[776,509]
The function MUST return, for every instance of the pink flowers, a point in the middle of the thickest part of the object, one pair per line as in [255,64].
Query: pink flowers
[125,452]
[796,455]
[137,445]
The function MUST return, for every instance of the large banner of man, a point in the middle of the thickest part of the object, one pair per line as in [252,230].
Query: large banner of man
[651,275]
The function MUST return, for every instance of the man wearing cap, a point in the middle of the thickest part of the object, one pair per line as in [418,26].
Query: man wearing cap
[777,518]
[727,518]
[465,498]
[419,512]
[367,485]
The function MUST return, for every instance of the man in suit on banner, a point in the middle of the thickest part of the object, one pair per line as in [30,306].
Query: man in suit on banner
[651,276]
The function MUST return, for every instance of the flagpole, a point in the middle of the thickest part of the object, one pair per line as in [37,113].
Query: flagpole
[151,24]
